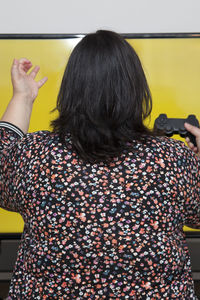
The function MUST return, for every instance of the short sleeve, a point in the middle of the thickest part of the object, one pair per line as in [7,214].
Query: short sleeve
[10,137]
[190,188]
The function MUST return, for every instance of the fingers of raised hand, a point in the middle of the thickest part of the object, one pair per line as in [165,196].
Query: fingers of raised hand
[15,63]
[24,65]
[34,72]
[42,82]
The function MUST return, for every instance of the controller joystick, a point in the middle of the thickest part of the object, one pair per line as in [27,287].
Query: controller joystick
[173,126]
[163,120]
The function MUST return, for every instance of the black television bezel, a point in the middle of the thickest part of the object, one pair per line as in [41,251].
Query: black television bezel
[14,36]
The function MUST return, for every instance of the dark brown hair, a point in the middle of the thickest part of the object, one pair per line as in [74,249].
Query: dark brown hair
[104,97]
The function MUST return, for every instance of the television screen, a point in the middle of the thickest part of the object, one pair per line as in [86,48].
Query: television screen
[171,64]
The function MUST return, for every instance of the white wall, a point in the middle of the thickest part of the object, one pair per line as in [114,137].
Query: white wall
[83,16]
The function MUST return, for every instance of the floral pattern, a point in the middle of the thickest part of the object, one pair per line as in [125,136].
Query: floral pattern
[100,231]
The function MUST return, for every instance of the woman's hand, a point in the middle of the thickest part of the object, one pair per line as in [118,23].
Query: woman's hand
[25,90]
[196,132]
[24,85]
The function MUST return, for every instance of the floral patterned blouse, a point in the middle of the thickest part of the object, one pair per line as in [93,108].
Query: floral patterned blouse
[97,231]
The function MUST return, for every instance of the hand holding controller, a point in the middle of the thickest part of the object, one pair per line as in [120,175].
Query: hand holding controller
[196,132]
[173,126]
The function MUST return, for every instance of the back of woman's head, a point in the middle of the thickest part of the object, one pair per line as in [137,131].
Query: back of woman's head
[104,97]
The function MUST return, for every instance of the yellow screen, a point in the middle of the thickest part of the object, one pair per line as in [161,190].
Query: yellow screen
[172,68]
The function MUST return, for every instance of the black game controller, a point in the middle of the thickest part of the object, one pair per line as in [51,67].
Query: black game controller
[175,126]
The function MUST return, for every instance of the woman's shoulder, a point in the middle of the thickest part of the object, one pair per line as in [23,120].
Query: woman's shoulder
[40,136]
[165,142]
[42,139]
[162,147]
[169,147]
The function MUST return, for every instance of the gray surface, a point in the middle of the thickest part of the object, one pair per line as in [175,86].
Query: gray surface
[5,276]
[194,248]
[8,254]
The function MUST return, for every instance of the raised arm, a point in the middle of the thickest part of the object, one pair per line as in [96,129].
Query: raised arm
[25,90]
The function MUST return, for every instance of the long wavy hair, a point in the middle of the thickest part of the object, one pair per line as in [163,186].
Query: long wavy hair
[104,97]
